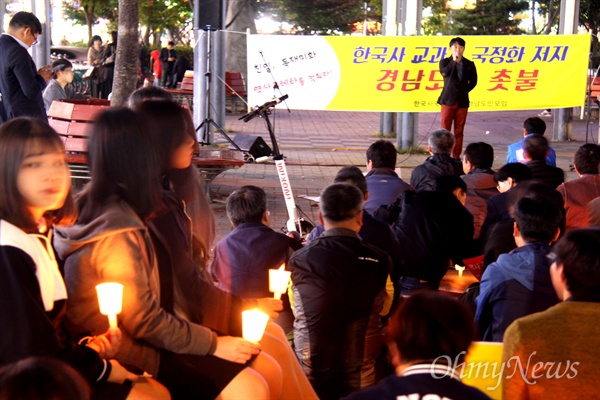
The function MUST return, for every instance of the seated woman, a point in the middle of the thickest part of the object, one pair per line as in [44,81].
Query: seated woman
[57,87]
[426,334]
[194,296]
[36,194]
[110,242]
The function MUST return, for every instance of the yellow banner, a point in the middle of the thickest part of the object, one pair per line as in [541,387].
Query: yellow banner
[401,73]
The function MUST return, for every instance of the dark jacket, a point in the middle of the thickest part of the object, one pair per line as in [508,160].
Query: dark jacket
[423,177]
[543,172]
[432,229]
[480,187]
[384,187]
[376,233]
[243,258]
[20,84]
[516,285]
[339,285]
[30,324]
[455,89]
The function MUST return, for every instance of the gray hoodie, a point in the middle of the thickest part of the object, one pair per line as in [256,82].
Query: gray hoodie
[116,247]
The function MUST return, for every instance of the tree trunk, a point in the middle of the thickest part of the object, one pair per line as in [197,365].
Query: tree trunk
[89,20]
[240,16]
[127,52]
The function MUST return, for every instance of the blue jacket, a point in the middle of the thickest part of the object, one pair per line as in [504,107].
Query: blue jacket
[384,187]
[516,285]
[243,259]
[515,153]
[20,84]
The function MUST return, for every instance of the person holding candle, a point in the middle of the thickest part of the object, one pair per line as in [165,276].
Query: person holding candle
[111,242]
[36,194]
[190,292]
[251,239]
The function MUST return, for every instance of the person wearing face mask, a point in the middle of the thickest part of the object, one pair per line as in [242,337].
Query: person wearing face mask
[460,77]
[21,83]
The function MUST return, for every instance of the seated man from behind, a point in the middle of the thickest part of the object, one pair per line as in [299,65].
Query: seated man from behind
[338,282]
[432,229]
[441,329]
[566,337]
[382,181]
[536,148]
[373,231]
[518,283]
[531,126]
[477,164]
[440,145]
[497,229]
[243,258]
[579,192]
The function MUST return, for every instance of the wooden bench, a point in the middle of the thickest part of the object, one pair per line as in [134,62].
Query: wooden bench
[235,88]
[72,120]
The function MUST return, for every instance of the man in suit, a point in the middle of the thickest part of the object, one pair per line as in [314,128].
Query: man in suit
[460,77]
[21,84]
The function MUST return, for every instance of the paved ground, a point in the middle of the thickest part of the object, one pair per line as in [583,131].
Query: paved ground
[318,143]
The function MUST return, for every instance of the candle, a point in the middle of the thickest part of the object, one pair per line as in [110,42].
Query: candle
[460,269]
[110,298]
[254,323]
[278,281]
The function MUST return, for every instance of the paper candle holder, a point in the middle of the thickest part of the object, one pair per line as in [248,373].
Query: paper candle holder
[110,299]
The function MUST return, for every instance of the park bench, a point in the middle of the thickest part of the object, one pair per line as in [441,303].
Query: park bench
[235,88]
[72,120]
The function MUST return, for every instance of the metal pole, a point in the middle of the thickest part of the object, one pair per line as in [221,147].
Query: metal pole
[569,20]
[200,87]
[218,71]
[389,27]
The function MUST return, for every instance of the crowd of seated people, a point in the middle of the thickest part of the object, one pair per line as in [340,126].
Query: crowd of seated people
[363,318]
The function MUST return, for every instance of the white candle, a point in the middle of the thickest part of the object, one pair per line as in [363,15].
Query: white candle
[110,298]
[254,323]
[278,281]
[460,269]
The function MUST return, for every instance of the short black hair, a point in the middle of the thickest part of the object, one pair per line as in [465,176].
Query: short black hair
[94,38]
[441,141]
[382,154]
[536,147]
[42,378]
[354,176]
[578,252]
[246,204]
[147,93]
[587,158]
[480,154]
[517,171]
[459,40]
[534,125]
[24,19]
[340,202]
[449,183]
[171,43]
[430,326]
[538,219]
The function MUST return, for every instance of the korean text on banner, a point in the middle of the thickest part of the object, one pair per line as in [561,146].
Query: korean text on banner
[401,73]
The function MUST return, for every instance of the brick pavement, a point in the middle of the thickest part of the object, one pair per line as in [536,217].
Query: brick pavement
[318,143]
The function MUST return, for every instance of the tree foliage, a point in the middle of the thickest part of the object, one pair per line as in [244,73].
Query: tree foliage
[317,16]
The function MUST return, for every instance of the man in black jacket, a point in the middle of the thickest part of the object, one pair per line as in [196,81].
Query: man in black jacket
[21,84]
[433,228]
[339,285]
[460,77]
